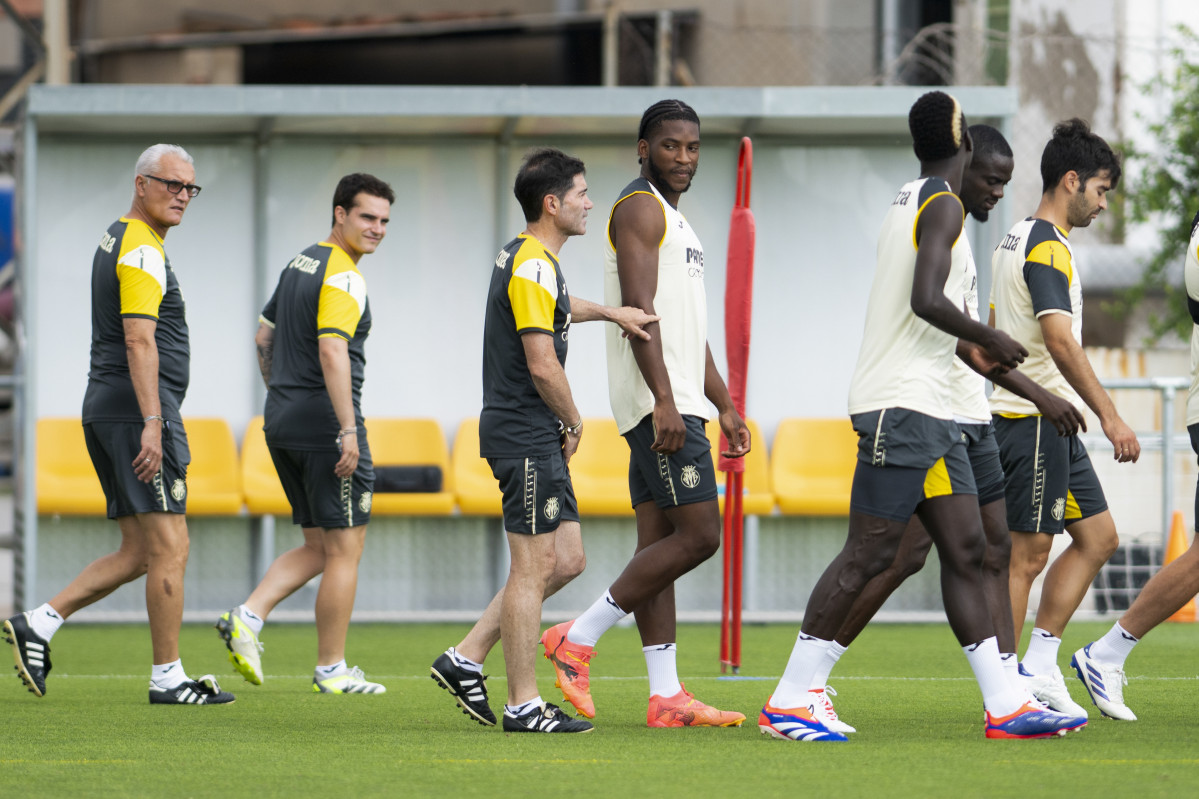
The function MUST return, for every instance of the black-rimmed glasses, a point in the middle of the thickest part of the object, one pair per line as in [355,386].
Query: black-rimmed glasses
[176,186]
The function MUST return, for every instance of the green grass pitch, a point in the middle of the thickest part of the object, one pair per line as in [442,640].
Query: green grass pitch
[907,688]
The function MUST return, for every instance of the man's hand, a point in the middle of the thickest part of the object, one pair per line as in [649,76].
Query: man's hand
[1061,414]
[570,443]
[980,361]
[670,433]
[149,457]
[737,433]
[1005,349]
[633,321]
[348,462]
[1124,441]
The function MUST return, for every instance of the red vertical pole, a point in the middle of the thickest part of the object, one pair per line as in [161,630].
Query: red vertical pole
[738,307]
[727,598]
[738,550]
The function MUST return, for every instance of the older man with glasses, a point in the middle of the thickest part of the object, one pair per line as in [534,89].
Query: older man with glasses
[134,433]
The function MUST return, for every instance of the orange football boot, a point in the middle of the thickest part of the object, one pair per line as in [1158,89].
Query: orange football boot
[684,710]
[572,667]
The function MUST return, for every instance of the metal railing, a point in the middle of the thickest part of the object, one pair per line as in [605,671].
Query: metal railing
[1165,440]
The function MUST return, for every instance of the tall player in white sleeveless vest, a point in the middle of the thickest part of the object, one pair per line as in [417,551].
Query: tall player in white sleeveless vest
[989,172]
[1100,664]
[660,390]
[1036,296]
[912,454]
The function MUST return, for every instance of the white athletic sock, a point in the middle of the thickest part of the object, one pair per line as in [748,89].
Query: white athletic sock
[999,697]
[464,662]
[595,621]
[1041,655]
[1115,646]
[1011,668]
[45,621]
[663,673]
[831,656]
[524,707]
[792,690]
[336,670]
[251,619]
[169,675]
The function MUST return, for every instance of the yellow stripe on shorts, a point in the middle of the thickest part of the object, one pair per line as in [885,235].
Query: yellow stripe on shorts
[1072,509]
[937,482]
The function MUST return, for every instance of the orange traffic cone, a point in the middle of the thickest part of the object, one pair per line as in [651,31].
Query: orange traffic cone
[1177,546]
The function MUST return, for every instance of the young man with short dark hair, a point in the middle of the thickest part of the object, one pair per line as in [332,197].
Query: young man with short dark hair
[1036,296]
[311,338]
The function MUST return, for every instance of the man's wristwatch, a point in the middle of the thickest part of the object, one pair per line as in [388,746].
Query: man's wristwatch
[574,429]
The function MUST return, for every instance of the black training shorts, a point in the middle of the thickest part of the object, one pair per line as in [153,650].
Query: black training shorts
[113,447]
[684,478]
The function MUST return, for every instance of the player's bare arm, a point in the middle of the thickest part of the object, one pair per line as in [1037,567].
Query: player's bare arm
[142,351]
[938,228]
[731,423]
[264,342]
[631,320]
[550,381]
[637,227]
[1072,361]
[335,366]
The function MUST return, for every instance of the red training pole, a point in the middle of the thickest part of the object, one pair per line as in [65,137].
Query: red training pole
[738,307]
[738,550]
[727,600]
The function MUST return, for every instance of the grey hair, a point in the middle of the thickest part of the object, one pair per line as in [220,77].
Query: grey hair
[150,159]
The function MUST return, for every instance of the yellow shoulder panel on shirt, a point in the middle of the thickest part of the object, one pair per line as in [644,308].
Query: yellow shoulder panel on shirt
[533,288]
[1054,254]
[141,270]
[920,210]
[608,233]
[342,299]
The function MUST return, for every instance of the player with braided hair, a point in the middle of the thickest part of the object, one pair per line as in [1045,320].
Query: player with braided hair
[660,112]
[660,391]
[911,453]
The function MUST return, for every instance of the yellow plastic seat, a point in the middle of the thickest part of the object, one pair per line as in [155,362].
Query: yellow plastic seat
[599,470]
[260,482]
[813,463]
[757,499]
[396,441]
[66,480]
[475,488]
[214,476]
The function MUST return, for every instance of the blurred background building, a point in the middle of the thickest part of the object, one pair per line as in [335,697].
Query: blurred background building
[1087,58]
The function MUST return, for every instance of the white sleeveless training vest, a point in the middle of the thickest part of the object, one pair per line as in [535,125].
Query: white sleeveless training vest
[904,362]
[681,302]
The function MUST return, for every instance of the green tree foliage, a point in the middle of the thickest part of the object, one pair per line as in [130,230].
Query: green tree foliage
[1166,190]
